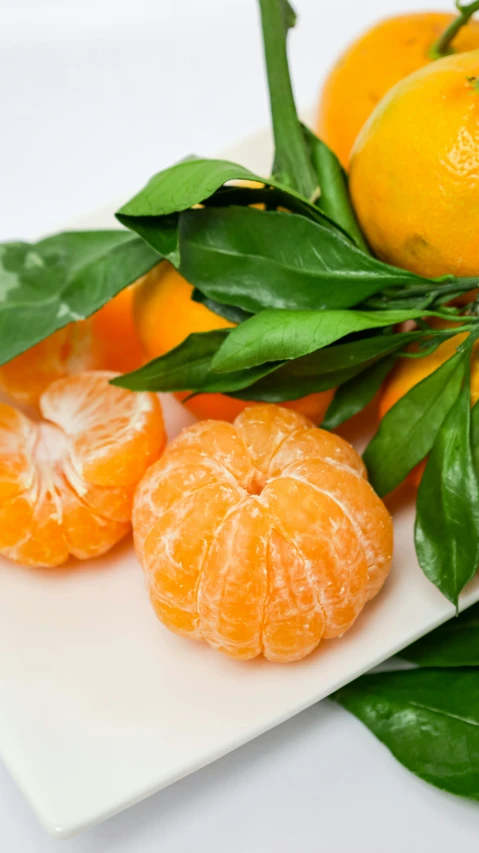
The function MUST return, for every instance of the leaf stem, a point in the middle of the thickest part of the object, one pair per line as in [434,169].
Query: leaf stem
[442,47]
[292,163]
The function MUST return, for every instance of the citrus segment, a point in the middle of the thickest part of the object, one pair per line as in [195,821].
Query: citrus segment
[113,433]
[105,341]
[51,502]
[258,538]
[176,547]
[66,351]
[331,548]
[293,618]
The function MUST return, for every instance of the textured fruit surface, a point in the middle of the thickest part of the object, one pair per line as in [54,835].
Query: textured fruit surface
[260,537]
[414,174]
[105,341]
[166,314]
[67,481]
[385,54]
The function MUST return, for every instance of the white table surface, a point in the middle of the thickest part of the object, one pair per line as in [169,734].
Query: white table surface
[96,95]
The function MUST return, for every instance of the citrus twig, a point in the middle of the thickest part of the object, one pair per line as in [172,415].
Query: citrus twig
[442,46]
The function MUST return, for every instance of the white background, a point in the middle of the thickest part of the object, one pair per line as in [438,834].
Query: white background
[96,95]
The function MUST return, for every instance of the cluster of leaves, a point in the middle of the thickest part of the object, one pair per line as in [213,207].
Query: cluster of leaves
[428,717]
[283,257]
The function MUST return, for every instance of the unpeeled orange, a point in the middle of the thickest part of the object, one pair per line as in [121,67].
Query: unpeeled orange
[373,64]
[67,482]
[414,172]
[166,314]
[260,537]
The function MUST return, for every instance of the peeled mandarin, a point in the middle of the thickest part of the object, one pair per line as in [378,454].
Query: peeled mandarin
[67,482]
[262,536]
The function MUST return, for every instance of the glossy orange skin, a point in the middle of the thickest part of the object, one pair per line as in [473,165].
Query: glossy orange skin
[165,315]
[414,173]
[385,54]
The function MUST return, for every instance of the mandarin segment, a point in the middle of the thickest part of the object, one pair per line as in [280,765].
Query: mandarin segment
[321,531]
[175,550]
[293,618]
[263,428]
[233,584]
[115,434]
[366,512]
[261,537]
[48,507]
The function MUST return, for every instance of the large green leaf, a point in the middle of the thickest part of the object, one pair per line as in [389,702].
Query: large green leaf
[354,395]
[257,259]
[159,232]
[334,197]
[187,368]
[45,285]
[456,643]
[280,334]
[447,505]
[428,719]
[407,432]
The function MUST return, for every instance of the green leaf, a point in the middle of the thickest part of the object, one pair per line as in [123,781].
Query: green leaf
[67,277]
[292,164]
[257,259]
[228,312]
[187,368]
[447,506]
[456,643]
[475,436]
[427,718]
[158,232]
[354,395]
[278,335]
[183,185]
[199,180]
[334,197]
[407,432]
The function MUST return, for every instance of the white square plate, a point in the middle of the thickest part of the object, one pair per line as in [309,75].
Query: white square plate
[100,706]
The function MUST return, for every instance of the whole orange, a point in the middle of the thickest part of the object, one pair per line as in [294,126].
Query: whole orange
[385,54]
[165,315]
[414,174]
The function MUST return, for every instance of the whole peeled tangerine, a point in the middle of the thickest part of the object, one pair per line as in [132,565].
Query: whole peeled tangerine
[262,536]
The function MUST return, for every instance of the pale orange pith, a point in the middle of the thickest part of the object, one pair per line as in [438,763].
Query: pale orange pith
[389,51]
[262,536]
[67,482]
[414,173]
[105,341]
[165,315]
